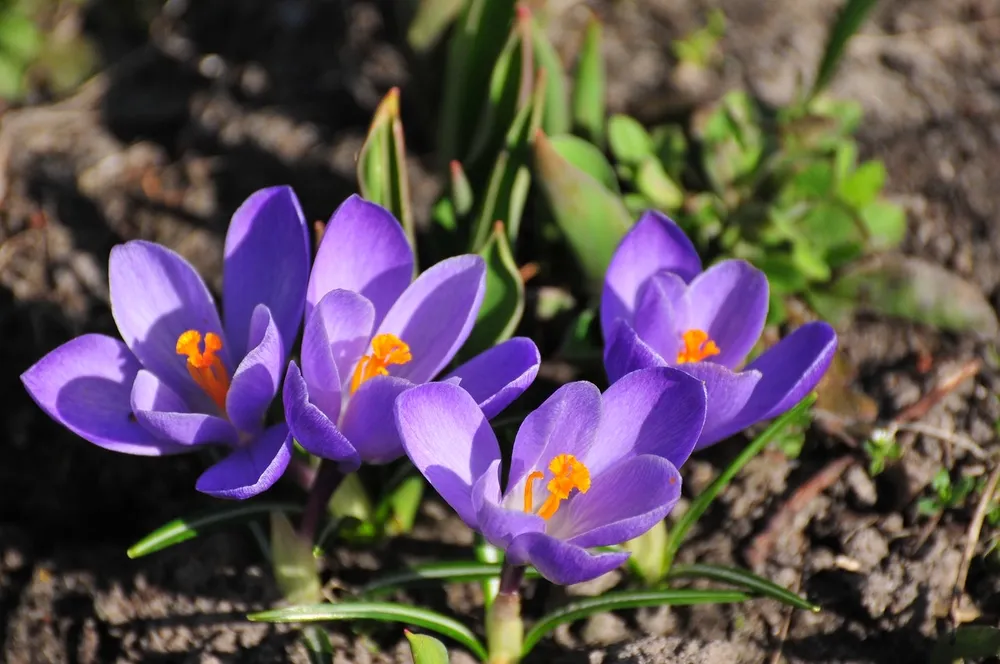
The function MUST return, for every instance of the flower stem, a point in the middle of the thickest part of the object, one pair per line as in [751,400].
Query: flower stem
[504,627]
[327,479]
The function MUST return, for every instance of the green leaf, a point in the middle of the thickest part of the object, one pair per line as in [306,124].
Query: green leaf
[430,22]
[426,649]
[629,141]
[732,142]
[461,191]
[382,175]
[454,572]
[181,530]
[744,580]
[351,500]
[670,145]
[616,601]
[589,88]
[11,78]
[863,185]
[318,646]
[654,183]
[885,223]
[701,504]
[380,611]
[849,20]
[397,510]
[293,563]
[588,158]
[647,552]
[503,304]
[493,556]
[972,642]
[20,40]
[556,119]
[591,217]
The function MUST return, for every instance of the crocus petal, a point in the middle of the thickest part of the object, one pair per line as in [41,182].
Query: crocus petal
[266,262]
[165,415]
[728,392]
[368,421]
[251,469]
[561,562]
[86,386]
[499,375]
[435,315]
[654,244]
[729,302]
[661,312]
[311,427]
[256,379]
[623,503]
[364,249]
[626,352]
[155,297]
[564,424]
[657,411]
[789,370]
[449,441]
[499,525]
[335,338]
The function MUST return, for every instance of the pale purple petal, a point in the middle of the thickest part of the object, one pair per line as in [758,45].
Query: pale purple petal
[561,562]
[729,302]
[500,375]
[368,420]
[335,337]
[653,245]
[623,503]
[497,524]
[266,262]
[435,315]
[661,314]
[310,426]
[658,411]
[256,379]
[165,415]
[156,296]
[86,386]
[626,352]
[449,441]
[728,392]
[564,424]
[251,469]
[364,249]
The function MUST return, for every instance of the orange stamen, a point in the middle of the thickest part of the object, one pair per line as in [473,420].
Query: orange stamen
[205,367]
[387,349]
[568,473]
[697,347]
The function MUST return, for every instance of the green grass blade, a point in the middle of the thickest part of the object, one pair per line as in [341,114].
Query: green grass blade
[426,649]
[701,504]
[183,529]
[849,20]
[744,580]
[380,611]
[452,572]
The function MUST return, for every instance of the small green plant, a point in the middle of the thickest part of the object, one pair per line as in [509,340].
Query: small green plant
[881,448]
[701,47]
[947,494]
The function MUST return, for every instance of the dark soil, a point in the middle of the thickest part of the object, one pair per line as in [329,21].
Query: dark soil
[217,99]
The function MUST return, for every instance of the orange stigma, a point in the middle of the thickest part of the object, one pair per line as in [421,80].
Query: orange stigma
[205,367]
[387,349]
[697,347]
[568,473]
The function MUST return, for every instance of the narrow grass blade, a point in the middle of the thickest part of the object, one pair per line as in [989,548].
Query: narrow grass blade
[849,20]
[744,580]
[589,89]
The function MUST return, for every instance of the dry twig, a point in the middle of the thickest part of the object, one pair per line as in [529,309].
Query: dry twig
[971,539]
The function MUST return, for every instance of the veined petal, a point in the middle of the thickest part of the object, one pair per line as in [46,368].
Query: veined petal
[435,315]
[155,297]
[498,376]
[368,421]
[653,245]
[86,386]
[661,314]
[448,439]
[310,426]
[364,249]
[165,415]
[335,337]
[561,562]
[728,392]
[257,377]
[251,469]
[729,301]
[626,352]
[266,262]
[659,411]
[499,525]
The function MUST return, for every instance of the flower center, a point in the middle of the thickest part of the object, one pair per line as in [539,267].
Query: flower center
[387,349]
[568,473]
[205,366]
[697,347]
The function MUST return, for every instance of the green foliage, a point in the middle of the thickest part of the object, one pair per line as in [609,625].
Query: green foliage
[426,649]
[881,448]
[851,16]
[968,642]
[293,563]
[701,47]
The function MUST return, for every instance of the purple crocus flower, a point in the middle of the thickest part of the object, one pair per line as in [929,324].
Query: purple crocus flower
[587,469]
[183,378]
[659,309]
[370,334]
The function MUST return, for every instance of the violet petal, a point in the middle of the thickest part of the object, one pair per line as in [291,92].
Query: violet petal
[258,376]
[626,352]
[368,420]
[498,376]
[561,562]
[251,469]
[310,426]
[165,415]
